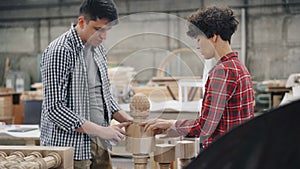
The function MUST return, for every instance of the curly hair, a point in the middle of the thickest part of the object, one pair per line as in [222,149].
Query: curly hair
[212,20]
[99,9]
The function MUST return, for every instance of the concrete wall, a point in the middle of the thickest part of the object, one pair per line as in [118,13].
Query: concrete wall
[142,40]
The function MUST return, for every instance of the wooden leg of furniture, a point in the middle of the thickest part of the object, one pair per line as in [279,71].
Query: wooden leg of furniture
[164,155]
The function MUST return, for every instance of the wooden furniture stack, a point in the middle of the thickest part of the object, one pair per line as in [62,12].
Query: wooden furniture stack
[6,105]
[165,155]
[168,151]
[174,152]
[185,152]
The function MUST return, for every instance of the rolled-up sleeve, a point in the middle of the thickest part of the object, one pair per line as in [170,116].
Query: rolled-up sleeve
[218,89]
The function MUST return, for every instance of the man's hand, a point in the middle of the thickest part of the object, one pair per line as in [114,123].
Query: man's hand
[122,116]
[157,126]
[113,133]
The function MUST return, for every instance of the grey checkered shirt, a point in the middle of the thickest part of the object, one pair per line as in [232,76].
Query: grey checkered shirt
[66,101]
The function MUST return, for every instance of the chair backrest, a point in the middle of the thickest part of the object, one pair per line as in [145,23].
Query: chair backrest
[162,67]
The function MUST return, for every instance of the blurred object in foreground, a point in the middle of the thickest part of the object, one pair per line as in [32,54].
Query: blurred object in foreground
[293,82]
[267,141]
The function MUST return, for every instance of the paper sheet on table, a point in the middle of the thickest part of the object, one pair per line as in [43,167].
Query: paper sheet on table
[25,134]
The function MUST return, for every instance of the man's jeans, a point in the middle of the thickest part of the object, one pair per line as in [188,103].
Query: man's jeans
[101,158]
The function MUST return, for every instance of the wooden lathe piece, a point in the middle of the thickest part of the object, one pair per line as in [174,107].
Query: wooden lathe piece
[15,155]
[164,154]
[2,156]
[140,161]
[185,151]
[2,159]
[53,160]
[28,162]
[138,142]
[54,157]
[139,107]
[33,155]
[12,159]
[26,165]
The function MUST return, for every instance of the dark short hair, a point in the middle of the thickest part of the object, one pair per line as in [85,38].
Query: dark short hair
[212,20]
[99,9]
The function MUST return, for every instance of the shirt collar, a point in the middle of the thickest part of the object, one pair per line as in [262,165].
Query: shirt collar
[78,41]
[229,56]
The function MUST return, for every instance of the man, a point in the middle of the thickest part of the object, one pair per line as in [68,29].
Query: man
[228,98]
[78,105]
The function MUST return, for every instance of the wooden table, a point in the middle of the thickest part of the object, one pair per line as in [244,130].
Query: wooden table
[10,137]
[276,91]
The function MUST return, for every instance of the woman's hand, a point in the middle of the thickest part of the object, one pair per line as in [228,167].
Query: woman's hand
[157,126]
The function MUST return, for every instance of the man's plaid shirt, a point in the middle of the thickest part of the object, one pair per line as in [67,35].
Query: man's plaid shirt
[66,100]
[228,101]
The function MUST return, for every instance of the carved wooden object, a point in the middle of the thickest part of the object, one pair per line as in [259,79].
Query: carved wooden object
[164,154]
[36,157]
[138,142]
[185,151]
